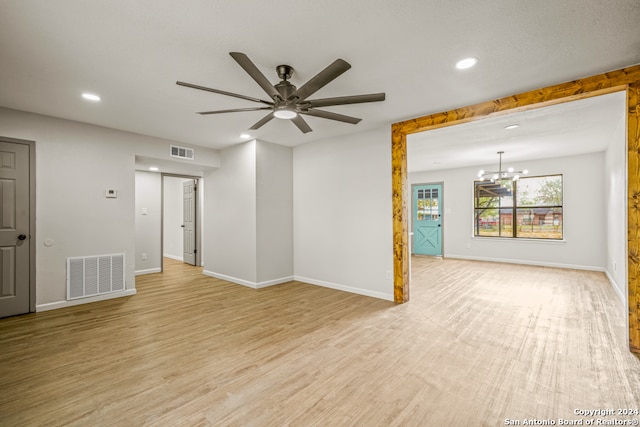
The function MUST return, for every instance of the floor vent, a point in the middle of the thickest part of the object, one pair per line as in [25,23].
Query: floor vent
[94,275]
[182,152]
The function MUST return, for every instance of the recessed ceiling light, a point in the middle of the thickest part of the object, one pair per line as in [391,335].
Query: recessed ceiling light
[463,64]
[154,168]
[513,126]
[245,136]
[91,97]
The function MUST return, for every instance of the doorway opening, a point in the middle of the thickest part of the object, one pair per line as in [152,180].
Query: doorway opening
[181,215]
[625,80]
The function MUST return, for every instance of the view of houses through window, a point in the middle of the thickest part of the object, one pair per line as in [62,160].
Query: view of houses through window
[529,208]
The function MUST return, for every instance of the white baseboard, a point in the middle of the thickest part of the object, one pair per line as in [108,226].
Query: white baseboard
[350,289]
[254,285]
[148,271]
[616,288]
[177,258]
[379,295]
[63,304]
[526,262]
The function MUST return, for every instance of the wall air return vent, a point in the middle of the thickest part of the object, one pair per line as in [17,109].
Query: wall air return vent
[94,275]
[182,152]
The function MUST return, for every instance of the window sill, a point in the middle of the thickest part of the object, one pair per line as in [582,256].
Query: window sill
[519,240]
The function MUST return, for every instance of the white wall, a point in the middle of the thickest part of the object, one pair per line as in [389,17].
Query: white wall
[274,227]
[147,244]
[615,200]
[342,213]
[584,243]
[230,221]
[249,225]
[75,164]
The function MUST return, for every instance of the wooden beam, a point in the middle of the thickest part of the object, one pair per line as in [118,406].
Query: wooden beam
[626,79]
[400,220]
[633,215]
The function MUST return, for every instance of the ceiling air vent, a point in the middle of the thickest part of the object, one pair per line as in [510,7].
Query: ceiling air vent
[182,152]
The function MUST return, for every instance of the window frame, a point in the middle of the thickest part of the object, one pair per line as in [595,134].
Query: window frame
[514,209]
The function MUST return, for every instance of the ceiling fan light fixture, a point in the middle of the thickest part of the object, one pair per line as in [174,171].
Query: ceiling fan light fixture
[285,113]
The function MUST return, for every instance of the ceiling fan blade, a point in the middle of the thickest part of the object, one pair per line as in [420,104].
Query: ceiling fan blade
[262,121]
[244,61]
[301,124]
[222,92]
[332,116]
[325,76]
[235,110]
[343,100]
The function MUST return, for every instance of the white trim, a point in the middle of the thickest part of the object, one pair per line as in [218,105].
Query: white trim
[247,283]
[149,271]
[177,258]
[350,289]
[616,289]
[527,262]
[274,282]
[80,301]
[518,240]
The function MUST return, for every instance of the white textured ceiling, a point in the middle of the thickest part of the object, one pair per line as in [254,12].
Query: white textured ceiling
[132,53]
[579,127]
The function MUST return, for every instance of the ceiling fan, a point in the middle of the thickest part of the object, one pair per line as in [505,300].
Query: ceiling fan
[289,102]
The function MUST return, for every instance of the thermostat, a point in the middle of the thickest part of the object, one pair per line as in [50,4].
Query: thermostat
[110,194]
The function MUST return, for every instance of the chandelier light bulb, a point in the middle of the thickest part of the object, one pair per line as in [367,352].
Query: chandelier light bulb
[500,174]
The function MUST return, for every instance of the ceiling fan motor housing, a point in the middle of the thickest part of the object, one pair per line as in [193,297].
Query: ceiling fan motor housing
[284,71]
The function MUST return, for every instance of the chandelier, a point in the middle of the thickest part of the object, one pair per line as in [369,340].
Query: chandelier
[501,174]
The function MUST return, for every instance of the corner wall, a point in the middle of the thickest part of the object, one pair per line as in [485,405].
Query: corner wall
[274,200]
[249,220]
[148,217]
[615,201]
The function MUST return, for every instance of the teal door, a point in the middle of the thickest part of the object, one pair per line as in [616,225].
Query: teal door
[427,219]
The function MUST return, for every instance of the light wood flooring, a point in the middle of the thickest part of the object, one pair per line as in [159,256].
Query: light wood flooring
[478,343]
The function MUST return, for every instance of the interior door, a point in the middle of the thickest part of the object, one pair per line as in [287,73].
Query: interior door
[14,228]
[189,221]
[427,219]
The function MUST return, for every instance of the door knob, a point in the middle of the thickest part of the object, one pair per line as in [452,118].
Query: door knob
[22,237]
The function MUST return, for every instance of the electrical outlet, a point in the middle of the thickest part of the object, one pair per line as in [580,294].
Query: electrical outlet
[143,256]
[389,275]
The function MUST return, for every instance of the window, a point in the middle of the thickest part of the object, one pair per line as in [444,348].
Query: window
[529,208]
